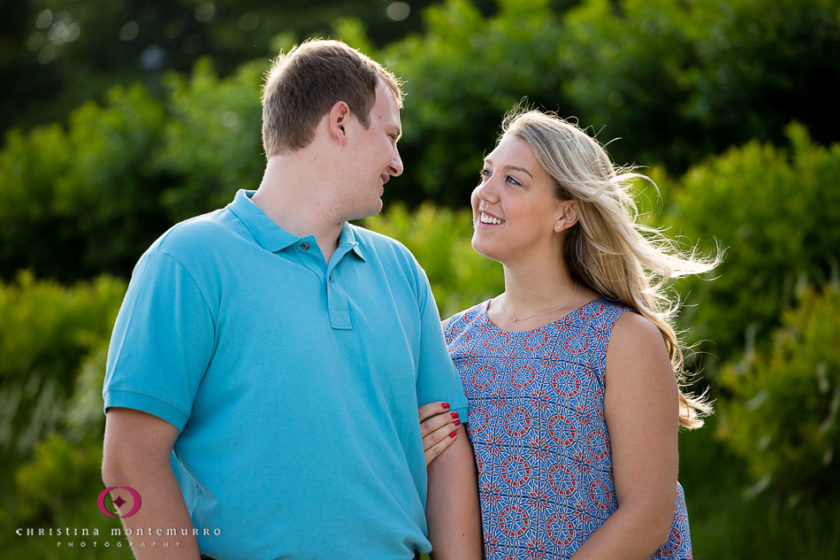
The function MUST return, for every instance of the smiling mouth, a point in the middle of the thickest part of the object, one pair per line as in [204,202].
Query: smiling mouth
[485,218]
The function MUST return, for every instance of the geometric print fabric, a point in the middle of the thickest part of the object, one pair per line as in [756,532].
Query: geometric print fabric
[537,426]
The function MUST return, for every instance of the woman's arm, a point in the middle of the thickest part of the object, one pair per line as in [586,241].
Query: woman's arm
[453,511]
[642,412]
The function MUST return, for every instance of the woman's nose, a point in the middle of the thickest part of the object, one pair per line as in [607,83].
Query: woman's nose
[486,189]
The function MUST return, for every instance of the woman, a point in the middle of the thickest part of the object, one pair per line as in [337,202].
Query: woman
[570,373]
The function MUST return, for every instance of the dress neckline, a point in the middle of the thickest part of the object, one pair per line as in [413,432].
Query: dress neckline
[563,319]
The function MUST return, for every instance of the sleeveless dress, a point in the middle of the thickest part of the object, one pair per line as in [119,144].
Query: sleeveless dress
[537,426]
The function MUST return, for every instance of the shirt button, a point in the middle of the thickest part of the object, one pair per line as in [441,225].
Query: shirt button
[329,278]
[304,246]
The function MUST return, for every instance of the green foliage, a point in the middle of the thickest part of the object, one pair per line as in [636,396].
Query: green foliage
[82,417]
[57,475]
[727,525]
[60,53]
[91,199]
[759,66]
[773,210]
[212,139]
[782,416]
[83,201]
[46,331]
[461,76]
[440,239]
[677,80]
[624,59]
[680,80]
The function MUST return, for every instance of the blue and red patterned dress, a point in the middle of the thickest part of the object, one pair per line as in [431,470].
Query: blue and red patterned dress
[537,426]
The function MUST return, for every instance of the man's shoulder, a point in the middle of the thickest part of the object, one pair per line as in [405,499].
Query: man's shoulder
[193,234]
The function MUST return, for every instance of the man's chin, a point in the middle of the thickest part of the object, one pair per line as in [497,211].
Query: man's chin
[372,210]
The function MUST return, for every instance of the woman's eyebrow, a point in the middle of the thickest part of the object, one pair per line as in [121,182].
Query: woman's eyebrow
[511,167]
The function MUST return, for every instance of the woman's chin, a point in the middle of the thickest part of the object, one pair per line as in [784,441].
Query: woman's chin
[482,248]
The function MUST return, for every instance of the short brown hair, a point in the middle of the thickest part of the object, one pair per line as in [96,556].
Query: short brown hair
[305,83]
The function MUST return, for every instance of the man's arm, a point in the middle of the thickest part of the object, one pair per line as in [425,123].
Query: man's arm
[137,454]
[453,512]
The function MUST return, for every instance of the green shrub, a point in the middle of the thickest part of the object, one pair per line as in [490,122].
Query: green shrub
[59,474]
[623,61]
[461,76]
[82,201]
[773,210]
[681,80]
[46,331]
[212,142]
[781,412]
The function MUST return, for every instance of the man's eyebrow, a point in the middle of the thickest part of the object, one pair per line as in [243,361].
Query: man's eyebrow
[511,167]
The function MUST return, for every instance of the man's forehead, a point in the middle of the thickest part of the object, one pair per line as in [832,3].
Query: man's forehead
[386,108]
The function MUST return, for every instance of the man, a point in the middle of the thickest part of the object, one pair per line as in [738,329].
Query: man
[282,353]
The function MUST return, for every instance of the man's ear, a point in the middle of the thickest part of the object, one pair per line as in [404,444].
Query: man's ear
[338,118]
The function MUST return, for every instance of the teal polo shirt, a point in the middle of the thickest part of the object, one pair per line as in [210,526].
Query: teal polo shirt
[294,384]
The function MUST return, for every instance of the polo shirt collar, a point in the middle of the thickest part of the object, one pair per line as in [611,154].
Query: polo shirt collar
[274,238]
[348,239]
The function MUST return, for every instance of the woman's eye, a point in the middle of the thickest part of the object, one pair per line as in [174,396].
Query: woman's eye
[485,173]
[513,181]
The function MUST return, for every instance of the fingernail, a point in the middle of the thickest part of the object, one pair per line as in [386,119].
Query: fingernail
[454,415]
[457,422]
[445,405]
[452,434]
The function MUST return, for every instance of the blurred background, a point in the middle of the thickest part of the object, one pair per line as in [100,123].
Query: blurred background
[119,118]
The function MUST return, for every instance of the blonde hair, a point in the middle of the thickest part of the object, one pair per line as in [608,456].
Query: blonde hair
[607,250]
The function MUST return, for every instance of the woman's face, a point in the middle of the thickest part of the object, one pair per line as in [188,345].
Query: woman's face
[515,209]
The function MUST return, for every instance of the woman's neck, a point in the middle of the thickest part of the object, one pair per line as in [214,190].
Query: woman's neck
[534,288]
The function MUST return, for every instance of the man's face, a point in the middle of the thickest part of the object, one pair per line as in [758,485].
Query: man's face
[374,156]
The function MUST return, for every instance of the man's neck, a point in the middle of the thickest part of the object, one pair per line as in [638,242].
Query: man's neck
[291,194]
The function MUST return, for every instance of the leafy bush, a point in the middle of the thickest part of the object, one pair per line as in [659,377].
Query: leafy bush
[624,59]
[782,415]
[680,80]
[46,331]
[773,210]
[677,80]
[60,473]
[212,140]
[83,201]
[461,76]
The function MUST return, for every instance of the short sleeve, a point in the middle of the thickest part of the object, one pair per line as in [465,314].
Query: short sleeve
[162,342]
[438,380]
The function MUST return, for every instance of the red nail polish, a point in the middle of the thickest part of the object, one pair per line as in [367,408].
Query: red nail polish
[454,415]
[445,405]
[457,422]
[452,434]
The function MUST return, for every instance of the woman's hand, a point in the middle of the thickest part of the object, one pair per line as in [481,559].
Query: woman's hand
[438,427]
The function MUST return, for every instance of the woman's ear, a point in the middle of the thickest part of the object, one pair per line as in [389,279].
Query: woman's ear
[338,118]
[568,216]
